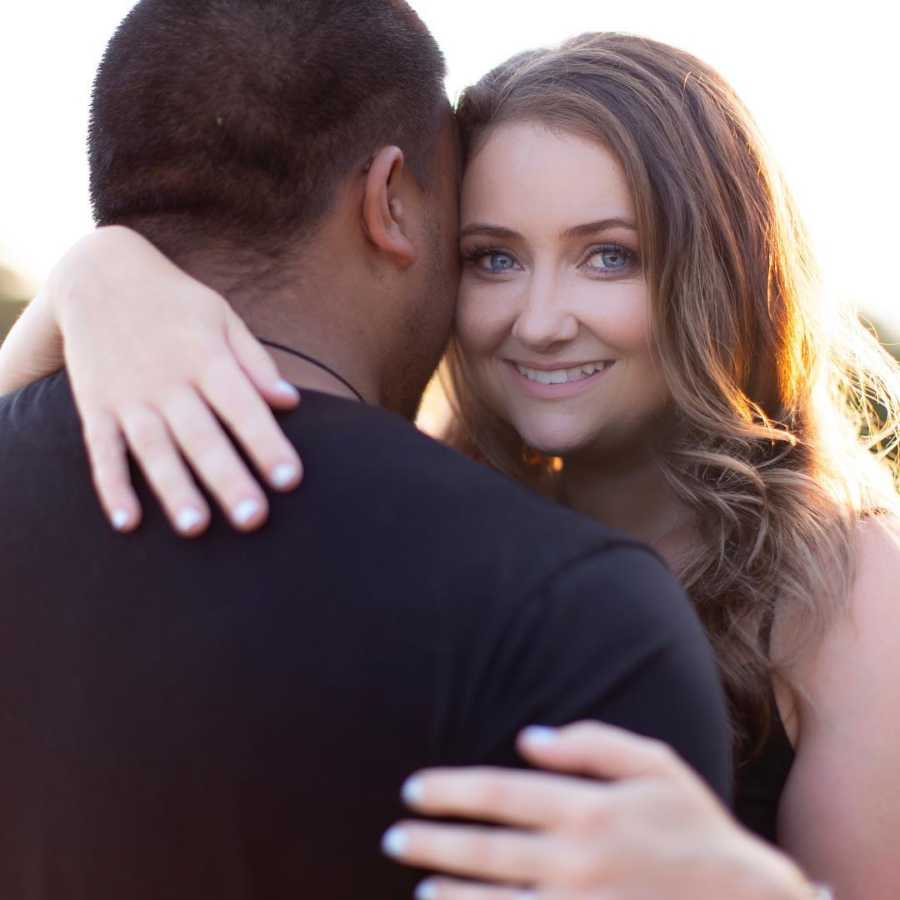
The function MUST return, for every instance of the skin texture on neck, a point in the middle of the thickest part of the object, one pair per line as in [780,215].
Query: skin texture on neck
[631,495]
[307,375]
[320,313]
[308,313]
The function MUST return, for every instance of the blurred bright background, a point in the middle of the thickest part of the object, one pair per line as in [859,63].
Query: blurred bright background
[822,81]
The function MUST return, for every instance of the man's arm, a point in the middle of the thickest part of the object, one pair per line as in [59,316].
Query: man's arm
[612,637]
[615,640]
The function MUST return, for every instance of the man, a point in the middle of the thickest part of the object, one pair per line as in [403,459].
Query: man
[234,718]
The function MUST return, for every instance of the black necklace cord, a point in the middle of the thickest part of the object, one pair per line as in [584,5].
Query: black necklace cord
[315,362]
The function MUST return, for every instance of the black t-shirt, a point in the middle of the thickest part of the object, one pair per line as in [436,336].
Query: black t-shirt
[233,717]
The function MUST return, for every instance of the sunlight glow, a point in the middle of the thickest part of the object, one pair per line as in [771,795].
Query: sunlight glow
[821,83]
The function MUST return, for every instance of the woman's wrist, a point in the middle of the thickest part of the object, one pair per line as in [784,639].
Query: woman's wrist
[796,886]
[82,271]
[775,876]
[32,349]
[35,347]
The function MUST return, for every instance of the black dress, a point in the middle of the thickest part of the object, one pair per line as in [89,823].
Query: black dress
[760,781]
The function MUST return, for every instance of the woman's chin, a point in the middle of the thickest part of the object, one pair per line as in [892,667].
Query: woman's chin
[604,445]
[554,442]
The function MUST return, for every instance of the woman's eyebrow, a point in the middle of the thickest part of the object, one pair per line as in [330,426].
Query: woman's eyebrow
[493,230]
[575,231]
[600,225]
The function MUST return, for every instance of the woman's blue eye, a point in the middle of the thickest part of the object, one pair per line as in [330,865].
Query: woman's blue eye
[611,258]
[496,263]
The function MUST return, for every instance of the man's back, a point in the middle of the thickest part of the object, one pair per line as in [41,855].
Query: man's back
[233,717]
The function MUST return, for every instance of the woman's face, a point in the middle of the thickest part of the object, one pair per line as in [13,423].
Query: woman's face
[554,316]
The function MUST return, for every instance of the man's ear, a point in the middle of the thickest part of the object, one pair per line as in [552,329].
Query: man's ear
[384,216]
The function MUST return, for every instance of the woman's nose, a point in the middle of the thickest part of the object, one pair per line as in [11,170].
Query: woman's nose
[544,321]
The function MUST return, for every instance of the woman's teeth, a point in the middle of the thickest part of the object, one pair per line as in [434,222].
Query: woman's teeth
[562,376]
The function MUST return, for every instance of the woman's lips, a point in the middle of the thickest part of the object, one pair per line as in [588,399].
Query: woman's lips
[577,379]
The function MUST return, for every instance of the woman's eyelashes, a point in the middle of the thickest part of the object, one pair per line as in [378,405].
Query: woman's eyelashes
[600,261]
[491,261]
[610,259]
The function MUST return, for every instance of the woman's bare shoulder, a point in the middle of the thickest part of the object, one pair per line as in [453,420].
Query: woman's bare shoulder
[872,607]
[849,738]
[877,565]
[865,631]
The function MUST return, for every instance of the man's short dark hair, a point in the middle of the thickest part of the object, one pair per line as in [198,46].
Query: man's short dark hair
[237,119]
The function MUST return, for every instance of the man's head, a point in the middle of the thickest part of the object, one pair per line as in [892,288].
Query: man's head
[299,155]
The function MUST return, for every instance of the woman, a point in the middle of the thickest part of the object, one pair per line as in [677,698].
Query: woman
[639,335]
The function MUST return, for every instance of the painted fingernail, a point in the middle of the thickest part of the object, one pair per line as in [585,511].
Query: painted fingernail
[427,890]
[395,842]
[284,475]
[188,519]
[286,389]
[246,511]
[540,735]
[413,791]
[121,519]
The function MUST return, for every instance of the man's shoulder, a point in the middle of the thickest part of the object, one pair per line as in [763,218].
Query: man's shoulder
[410,482]
[384,451]
[41,412]
[370,475]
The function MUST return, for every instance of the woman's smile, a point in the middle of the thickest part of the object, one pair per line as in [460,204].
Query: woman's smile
[558,382]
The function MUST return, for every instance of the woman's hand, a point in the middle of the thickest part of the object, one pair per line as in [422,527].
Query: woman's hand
[654,830]
[154,357]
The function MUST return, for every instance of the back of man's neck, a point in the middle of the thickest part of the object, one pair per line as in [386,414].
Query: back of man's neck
[309,376]
[297,318]
[327,338]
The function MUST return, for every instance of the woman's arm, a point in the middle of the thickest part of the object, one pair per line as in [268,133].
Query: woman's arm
[154,357]
[32,349]
[840,815]
[652,830]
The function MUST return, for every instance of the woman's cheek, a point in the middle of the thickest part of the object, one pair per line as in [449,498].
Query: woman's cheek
[481,323]
[619,317]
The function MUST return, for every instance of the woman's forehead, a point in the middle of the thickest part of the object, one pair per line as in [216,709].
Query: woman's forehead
[526,172]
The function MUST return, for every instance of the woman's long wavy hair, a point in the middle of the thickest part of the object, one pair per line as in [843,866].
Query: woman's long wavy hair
[785,412]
